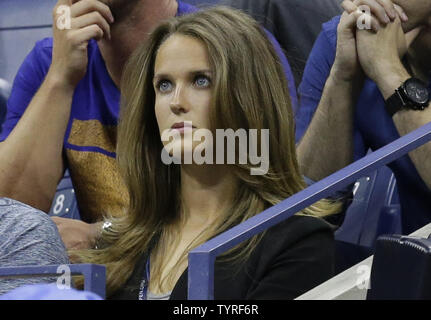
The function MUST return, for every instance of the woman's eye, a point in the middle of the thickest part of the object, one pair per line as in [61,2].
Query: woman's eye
[164,85]
[202,81]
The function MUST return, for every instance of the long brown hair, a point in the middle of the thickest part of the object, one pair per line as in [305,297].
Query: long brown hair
[250,91]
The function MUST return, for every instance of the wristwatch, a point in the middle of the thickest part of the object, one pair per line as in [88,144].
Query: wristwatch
[413,94]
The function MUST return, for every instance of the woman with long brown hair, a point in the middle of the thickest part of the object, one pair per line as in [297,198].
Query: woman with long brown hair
[211,70]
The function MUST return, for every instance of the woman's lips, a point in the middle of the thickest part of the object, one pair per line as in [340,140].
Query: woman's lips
[182,126]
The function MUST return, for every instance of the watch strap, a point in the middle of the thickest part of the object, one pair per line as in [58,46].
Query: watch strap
[395,103]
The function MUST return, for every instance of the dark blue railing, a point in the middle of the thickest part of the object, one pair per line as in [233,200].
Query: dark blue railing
[201,259]
[94,275]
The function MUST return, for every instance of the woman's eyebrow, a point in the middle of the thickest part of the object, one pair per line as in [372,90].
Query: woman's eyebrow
[160,76]
[193,72]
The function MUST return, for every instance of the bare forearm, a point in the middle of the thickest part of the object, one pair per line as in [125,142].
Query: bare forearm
[407,121]
[31,161]
[327,146]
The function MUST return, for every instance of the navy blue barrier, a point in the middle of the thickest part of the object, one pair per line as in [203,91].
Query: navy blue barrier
[94,274]
[202,259]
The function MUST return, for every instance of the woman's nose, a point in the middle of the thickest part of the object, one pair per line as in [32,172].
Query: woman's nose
[178,103]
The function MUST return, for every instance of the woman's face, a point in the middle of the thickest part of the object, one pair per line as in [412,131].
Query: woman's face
[183,87]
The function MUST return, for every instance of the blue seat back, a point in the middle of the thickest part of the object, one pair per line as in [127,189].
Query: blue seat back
[375,210]
[65,204]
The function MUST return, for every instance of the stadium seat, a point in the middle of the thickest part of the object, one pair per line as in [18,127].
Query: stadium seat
[375,203]
[355,284]
[401,269]
[65,204]
[375,210]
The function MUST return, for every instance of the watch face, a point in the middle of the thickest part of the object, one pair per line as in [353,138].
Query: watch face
[417,91]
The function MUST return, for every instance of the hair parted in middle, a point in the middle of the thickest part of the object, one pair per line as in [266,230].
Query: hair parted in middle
[250,91]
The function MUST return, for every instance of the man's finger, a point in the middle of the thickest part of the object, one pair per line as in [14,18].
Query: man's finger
[375,8]
[351,21]
[83,7]
[92,18]
[87,33]
[60,3]
[361,21]
[349,6]
[389,8]
[401,13]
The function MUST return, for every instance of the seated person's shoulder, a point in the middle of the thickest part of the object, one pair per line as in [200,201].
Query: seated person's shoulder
[15,215]
[28,236]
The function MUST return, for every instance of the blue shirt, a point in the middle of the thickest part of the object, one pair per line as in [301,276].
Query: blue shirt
[90,139]
[373,127]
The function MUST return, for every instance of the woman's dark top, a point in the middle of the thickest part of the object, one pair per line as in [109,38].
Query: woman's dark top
[292,258]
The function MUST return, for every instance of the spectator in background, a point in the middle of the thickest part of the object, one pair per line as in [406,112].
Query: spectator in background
[4,94]
[216,69]
[294,23]
[64,106]
[2,110]
[354,115]
[28,237]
